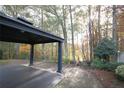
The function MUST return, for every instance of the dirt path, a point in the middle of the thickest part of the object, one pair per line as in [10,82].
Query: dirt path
[77,77]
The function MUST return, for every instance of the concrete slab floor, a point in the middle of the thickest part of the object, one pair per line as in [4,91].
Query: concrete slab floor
[16,75]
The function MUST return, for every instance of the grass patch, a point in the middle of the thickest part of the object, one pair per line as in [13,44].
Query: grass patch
[3,62]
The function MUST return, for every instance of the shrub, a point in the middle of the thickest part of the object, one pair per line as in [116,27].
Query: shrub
[105,48]
[24,55]
[113,65]
[110,66]
[65,60]
[97,63]
[120,72]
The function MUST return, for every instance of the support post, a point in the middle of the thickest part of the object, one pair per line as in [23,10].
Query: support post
[59,57]
[0,31]
[31,54]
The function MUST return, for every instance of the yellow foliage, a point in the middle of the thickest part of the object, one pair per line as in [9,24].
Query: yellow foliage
[24,48]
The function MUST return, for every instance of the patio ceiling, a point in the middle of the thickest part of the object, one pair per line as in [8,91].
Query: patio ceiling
[21,31]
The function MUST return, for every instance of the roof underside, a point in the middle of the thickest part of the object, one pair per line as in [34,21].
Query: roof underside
[14,30]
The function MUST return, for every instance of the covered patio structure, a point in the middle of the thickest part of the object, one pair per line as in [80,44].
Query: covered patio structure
[19,30]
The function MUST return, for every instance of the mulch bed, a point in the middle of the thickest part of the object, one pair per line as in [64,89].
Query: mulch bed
[107,78]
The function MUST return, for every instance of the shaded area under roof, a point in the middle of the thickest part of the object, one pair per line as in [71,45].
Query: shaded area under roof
[15,30]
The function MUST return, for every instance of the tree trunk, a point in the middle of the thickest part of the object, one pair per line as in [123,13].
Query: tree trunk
[99,17]
[63,24]
[42,28]
[52,51]
[72,30]
[90,33]
[114,33]
[107,23]
[114,24]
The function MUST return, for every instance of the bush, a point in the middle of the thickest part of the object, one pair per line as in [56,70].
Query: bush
[65,60]
[105,48]
[97,64]
[120,72]
[110,66]
[24,55]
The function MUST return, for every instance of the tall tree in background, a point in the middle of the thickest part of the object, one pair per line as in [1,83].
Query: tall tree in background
[99,17]
[114,24]
[42,24]
[114,28]
[15,11]
[107,21]
[63,24]
[72,30]
[61,17]
[90,33]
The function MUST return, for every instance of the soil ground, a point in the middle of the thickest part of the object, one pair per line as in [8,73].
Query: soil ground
[84,76]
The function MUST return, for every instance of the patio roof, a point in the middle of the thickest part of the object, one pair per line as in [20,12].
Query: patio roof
[20,31]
